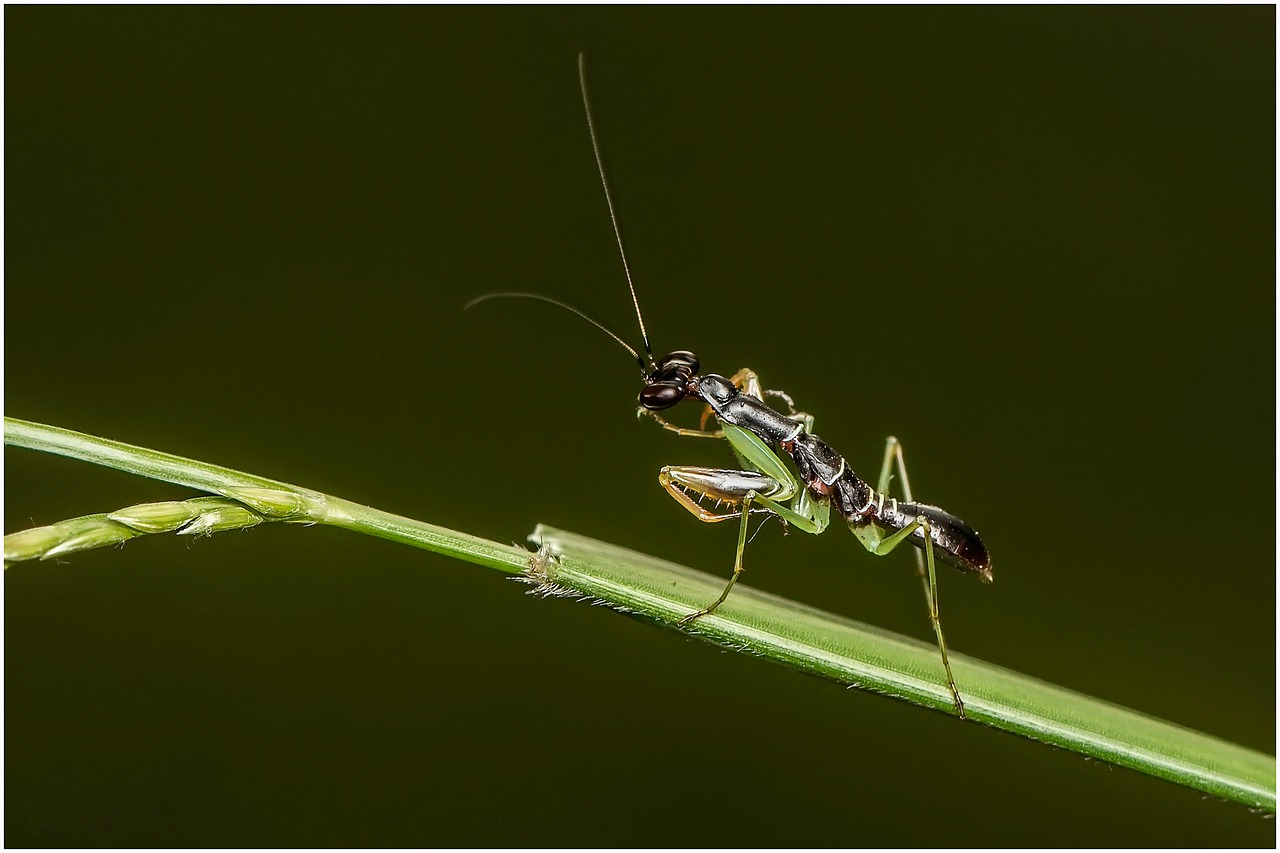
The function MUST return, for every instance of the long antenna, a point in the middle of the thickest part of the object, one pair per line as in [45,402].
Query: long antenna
[608,197]
[538,296]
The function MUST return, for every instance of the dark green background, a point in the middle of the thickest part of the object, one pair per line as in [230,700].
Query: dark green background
[1036,244]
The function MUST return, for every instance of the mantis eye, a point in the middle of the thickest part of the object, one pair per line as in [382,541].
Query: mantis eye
[657,396]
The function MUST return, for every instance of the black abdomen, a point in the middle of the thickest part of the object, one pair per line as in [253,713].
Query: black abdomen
[956,542]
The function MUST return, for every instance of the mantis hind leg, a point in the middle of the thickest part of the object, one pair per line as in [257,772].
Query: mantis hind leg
[925,564]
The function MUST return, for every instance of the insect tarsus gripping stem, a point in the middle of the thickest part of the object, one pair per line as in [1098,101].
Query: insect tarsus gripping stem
[925,564]
[931,592]
[743,521]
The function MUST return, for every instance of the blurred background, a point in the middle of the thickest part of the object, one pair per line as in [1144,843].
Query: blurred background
[1036,244]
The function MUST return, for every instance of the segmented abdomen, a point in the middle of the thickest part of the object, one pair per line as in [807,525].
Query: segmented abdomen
[828,475]
[954,541]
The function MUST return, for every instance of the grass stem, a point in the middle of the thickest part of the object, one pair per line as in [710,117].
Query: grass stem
[763,625]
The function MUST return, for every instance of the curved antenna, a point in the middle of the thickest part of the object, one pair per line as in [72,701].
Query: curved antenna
[608,197]
[567,307]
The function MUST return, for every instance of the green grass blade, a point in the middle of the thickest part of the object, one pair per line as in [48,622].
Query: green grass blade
[853,653]
[760,624]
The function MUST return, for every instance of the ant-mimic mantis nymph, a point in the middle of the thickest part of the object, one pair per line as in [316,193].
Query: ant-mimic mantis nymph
[760,437]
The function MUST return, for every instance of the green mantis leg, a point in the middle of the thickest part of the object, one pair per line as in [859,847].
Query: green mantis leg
[764,483]
[924,561]
[744,515]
